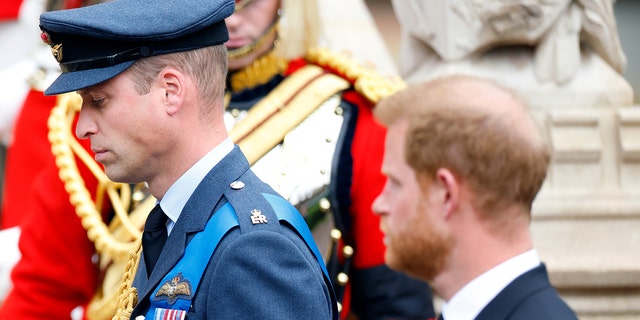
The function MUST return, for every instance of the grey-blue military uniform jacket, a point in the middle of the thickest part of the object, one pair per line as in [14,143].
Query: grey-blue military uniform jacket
[257,271]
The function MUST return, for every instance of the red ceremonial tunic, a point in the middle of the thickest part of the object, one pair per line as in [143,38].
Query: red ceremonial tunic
[9,10]
[56,272]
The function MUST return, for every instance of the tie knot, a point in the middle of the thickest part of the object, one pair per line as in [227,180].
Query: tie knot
[157,220]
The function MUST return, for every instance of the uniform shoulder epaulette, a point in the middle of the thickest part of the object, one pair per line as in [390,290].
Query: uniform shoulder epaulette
[366,81]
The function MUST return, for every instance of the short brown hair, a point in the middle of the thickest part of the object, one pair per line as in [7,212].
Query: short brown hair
[207,66]
[503,162]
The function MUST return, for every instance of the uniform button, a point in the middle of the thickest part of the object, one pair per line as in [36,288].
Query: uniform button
[237,185]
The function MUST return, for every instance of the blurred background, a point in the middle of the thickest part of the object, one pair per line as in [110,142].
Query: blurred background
[627,15]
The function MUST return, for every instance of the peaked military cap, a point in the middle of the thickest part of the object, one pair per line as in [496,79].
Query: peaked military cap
[96,43]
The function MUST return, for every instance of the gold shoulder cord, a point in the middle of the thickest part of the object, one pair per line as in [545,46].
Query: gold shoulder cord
[368,82]
[119,243]
[266,124]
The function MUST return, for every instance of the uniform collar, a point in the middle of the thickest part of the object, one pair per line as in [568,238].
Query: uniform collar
[179,193]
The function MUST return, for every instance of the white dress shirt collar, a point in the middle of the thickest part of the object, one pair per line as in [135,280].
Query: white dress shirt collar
[467,303]
[178,194]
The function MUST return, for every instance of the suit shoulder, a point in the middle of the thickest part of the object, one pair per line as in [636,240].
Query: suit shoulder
[544,304]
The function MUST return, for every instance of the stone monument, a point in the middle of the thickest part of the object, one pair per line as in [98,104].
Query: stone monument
[565,59]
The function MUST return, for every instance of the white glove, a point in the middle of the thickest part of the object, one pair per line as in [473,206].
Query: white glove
[10,255]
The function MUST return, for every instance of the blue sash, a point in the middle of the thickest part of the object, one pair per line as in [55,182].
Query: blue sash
[175,292]
[285,211]
[174,287]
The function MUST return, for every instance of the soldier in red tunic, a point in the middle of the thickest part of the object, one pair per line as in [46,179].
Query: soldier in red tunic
[58,271]
[304,117]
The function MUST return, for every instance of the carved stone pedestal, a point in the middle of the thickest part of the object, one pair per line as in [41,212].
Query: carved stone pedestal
[587,217]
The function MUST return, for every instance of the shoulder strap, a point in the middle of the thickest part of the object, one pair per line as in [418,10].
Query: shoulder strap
[287,212]
[266,123]
[180,284]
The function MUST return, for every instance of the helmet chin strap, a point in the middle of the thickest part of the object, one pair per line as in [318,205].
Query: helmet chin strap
[240,52]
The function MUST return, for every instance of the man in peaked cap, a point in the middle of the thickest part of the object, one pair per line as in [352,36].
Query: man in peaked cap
[151,76]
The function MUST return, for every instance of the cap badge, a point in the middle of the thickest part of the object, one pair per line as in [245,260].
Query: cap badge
[57,51]
[257,217]
[176,287]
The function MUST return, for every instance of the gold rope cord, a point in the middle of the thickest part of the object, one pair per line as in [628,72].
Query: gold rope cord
[117,244]
[128,295]
[63,146]
[368,82]
[259,72]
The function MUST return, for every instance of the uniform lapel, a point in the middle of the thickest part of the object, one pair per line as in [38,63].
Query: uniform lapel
[193,218]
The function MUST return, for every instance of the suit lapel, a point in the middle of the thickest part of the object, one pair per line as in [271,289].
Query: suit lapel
[193,218]
[522,287]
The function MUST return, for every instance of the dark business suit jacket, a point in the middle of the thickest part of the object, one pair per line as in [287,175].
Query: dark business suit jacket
[528,297]
[263,271]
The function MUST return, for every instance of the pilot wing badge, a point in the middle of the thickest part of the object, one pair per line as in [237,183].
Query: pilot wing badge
[176,287]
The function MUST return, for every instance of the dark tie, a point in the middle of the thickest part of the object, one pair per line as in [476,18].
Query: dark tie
[154,237]
[440,317]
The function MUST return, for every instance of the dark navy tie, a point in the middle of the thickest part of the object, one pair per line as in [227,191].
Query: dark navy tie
[154,237]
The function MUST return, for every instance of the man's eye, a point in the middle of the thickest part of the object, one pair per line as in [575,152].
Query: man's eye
[97,102]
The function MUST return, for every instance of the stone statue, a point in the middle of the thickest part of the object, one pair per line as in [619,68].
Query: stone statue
[552,40]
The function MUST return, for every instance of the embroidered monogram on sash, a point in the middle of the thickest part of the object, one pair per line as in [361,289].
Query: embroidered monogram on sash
[257,217]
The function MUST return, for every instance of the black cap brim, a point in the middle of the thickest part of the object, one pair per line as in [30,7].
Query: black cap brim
[73,81]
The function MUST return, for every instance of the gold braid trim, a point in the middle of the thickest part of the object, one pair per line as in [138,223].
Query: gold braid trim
[368,82]
[127,294]
[114,296]
[63,147]
[284,108]
[259,72]
[118,243]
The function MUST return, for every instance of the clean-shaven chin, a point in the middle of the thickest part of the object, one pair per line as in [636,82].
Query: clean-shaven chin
[100,155]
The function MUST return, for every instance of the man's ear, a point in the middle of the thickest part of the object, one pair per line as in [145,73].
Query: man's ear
[172,83]
[449,190]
